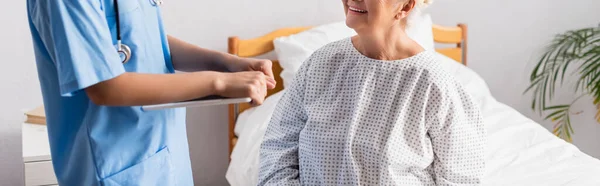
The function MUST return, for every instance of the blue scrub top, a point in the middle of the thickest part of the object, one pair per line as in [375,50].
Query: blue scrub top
[74,42]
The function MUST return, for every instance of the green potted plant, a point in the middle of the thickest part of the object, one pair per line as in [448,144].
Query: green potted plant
[576,48]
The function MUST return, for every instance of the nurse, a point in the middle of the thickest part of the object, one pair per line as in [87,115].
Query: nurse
[92,88]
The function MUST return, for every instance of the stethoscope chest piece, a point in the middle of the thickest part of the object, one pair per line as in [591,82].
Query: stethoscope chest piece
[124,52]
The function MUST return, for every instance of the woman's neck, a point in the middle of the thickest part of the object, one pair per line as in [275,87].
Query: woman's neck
[388,45]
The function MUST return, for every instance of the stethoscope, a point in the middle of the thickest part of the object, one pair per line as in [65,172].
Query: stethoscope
[123,49]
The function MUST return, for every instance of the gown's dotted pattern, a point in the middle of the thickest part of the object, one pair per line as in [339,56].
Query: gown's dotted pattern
[351,120]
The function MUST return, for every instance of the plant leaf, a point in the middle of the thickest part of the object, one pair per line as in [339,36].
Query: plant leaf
[534,100]
[537,67]
[556,129]
[568,128]
[589,70]
[593,78]
[594,89]
[534,84]
[540,97]
[576,47]
[590,59]
[560,115]
[591,64]
[596,95]
[594,41]
[554,114]
[564,70]
[544,92]
[598,113]
[568,122]
[557,118]
[533,103]
[557,107]
[553,84]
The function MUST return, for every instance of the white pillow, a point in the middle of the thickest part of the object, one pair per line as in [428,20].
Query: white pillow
[293,50]
[420,30]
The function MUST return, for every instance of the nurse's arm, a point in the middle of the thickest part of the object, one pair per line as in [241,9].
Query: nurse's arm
[189,58]
[134,89]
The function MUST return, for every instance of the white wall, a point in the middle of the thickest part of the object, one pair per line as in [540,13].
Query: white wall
[19,88]
[503,33]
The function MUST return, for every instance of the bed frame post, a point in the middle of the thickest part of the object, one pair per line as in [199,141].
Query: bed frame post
[463,44]
[233,46]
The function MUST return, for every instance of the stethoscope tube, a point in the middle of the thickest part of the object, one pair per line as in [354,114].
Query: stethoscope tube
[122,49]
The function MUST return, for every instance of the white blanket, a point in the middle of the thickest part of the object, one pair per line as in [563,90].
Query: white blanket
[519,151]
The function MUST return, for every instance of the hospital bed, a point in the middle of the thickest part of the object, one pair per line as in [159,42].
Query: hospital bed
[519,151]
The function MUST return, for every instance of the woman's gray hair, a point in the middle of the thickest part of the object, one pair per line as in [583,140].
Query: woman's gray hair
[417,11]
[423,3]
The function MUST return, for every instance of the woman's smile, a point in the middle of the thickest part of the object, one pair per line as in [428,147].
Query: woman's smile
[356,10]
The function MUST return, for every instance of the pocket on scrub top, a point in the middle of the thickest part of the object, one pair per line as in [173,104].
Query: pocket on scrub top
[125,6]
[156,170]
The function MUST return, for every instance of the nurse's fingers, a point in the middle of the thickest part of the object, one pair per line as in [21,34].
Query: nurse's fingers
[266,67]
[268,70]
[258,89]
[271,83]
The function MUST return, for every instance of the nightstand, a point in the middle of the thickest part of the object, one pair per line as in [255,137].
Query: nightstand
[36,156]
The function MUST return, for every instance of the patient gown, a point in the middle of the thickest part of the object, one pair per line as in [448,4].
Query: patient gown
[351,120]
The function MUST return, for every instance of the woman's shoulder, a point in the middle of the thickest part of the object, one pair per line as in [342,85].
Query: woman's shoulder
[436,73]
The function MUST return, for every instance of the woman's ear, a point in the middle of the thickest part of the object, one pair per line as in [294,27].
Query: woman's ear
[406,8]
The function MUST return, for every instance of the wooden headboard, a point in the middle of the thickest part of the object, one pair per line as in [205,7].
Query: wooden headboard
[456,36]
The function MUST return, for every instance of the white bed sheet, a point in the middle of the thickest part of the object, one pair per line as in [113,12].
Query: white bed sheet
[519,151]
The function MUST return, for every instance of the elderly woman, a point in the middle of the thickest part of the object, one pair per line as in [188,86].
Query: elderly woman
[374,109]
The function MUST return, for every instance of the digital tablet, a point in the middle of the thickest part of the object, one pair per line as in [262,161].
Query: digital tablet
[200,102]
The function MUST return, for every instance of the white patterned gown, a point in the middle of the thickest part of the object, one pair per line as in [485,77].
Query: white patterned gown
[351,120]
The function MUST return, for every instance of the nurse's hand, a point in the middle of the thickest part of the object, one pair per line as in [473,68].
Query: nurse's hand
[250,64]
[242,84]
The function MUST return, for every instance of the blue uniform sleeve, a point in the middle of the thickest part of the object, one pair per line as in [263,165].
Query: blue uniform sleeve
[79,41]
